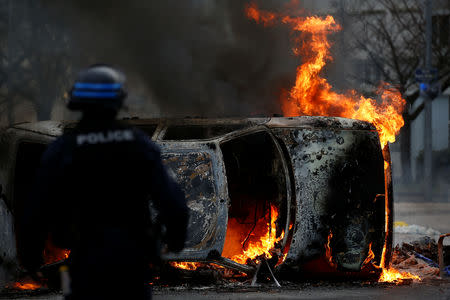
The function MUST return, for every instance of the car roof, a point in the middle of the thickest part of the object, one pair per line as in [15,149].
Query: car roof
[56,128]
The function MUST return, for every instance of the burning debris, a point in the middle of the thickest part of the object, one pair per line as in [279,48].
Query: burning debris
[393,275]
[406,266]
[54,254]
[27,284]
[410,261]
[53,258]
[252,239]
[184,265]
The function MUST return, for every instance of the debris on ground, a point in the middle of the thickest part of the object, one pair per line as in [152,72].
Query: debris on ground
[420,258]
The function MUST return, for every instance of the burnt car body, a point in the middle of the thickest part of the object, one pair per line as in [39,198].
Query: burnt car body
[326,176]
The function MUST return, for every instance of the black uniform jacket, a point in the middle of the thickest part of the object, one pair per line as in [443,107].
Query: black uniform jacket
[95,181]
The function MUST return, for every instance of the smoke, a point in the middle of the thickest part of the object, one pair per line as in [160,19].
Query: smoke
[192,57]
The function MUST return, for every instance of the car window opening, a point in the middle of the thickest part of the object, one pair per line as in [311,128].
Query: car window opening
[257,189]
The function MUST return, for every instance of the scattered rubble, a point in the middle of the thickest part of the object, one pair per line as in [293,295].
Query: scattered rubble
[420,258]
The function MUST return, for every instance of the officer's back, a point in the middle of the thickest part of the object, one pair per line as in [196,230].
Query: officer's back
[109,173]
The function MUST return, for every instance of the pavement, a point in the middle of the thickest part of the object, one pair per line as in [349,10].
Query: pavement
[321,290]
[338,291]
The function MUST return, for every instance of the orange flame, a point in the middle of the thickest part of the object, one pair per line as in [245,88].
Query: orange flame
[267,18]
[370,256]
[261,242]
[313,95]
[387,211]
[393,275]
[388,274]
[328,252]
[58,255]
[28,285]
[54,254]
[191,266]
[265,243]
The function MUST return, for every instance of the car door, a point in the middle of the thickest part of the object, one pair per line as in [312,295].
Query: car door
[198,168]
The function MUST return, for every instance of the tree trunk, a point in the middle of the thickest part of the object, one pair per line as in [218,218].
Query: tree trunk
[405,148]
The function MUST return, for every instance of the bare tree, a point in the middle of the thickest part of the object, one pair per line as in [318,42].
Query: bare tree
[35,57]
[391,35]
[4,27]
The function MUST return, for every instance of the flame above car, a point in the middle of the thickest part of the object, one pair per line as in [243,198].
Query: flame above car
[312,94]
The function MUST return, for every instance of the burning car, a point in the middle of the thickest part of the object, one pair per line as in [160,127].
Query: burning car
[302,193]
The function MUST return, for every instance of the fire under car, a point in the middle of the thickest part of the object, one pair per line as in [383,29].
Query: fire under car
[309,195]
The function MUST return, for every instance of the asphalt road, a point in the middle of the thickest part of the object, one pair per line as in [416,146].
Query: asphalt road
[321,290]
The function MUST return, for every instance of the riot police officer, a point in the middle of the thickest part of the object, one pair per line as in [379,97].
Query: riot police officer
[92,194]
